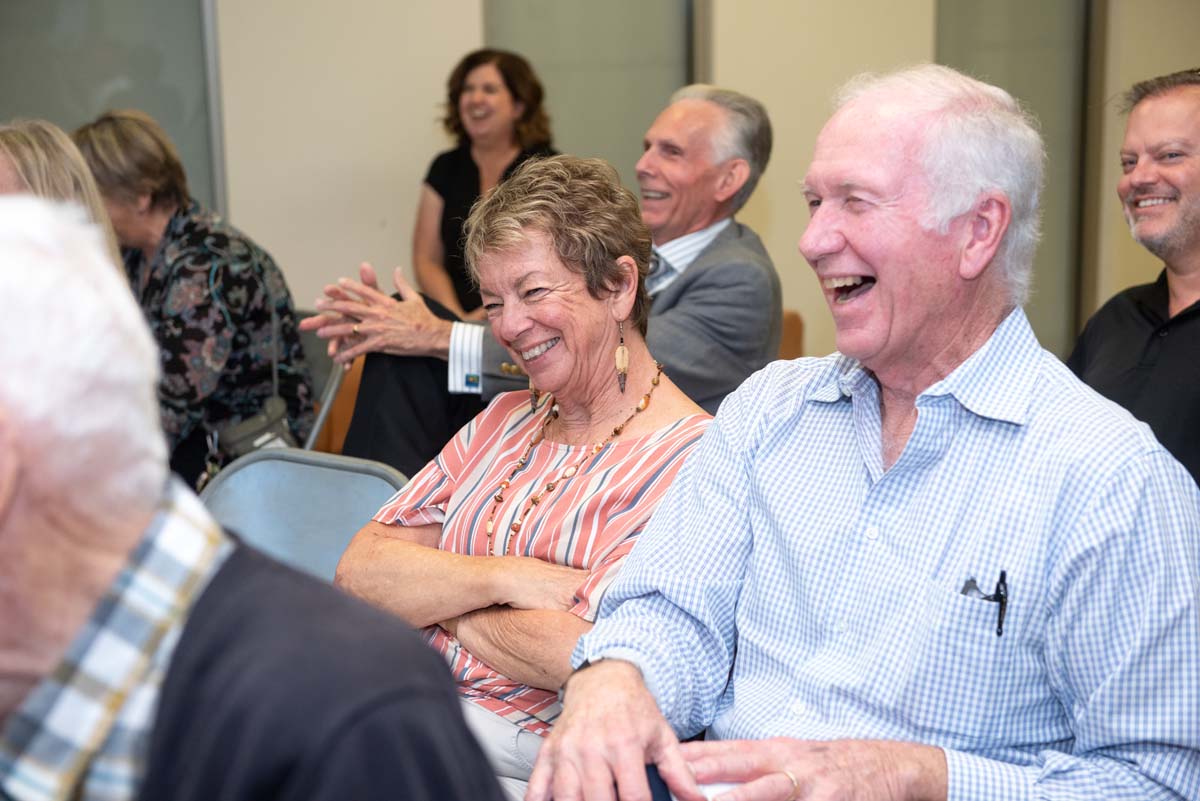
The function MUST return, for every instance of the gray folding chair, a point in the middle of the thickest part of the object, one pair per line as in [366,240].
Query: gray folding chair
[325,404]
[326,376]
[301,507]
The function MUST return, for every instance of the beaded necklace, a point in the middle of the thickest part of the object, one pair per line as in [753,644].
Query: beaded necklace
[538,436]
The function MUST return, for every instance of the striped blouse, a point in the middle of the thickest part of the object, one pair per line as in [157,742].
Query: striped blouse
[589,521]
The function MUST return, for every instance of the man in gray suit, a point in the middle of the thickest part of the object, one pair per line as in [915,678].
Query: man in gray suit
[716,310]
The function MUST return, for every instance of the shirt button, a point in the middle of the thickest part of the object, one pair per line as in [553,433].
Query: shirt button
[1162,333]
[872,533]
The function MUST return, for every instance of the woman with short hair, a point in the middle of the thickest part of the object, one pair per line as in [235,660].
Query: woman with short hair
[503,546]
[216,302]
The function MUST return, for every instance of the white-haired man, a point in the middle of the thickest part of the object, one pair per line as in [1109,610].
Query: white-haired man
[1142,349]
[933,565]
[143,652]
[715,317]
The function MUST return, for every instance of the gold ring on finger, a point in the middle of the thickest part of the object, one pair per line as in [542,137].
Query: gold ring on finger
[355,329]
[795,785]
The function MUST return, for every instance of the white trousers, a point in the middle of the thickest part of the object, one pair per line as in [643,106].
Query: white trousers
[510,749]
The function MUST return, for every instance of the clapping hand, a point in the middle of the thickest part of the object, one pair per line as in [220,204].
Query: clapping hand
[357,318]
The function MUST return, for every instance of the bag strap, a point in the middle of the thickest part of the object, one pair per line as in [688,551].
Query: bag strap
[274,342]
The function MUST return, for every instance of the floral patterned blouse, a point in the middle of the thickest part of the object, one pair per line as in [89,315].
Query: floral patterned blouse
[207,295]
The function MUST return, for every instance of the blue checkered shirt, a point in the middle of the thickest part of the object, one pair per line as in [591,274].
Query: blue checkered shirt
[82,733]
[789,586]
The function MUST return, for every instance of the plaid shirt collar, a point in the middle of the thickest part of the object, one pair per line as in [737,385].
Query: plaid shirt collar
[82,732]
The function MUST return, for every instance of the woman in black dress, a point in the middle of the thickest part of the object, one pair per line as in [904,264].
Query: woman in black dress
[494,109]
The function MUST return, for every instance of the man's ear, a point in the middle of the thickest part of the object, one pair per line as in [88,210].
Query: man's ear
[734,175]
[624,288]
[987,223]
[10,458]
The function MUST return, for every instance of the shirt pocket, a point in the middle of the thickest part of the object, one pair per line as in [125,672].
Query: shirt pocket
[966,685]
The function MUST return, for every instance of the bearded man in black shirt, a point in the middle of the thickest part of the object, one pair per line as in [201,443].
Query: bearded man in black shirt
[1142,349]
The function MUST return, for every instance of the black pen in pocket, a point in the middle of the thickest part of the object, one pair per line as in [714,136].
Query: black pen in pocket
[1000,596]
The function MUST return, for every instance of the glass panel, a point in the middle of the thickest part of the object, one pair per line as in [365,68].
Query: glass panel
[1035,50]
[67,61]
[608,68]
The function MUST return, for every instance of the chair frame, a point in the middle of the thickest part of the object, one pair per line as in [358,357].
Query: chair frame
[300,507]
[309,458]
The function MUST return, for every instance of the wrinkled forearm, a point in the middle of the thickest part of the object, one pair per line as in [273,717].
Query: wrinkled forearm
[419,583]
[532,646]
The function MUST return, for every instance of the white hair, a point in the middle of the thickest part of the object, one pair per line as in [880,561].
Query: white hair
[79,364]
[977,139]
[745,135]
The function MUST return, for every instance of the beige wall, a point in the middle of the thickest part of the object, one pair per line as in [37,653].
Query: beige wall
[1135,40]
[792,55]
[368,75]
[329,114]
[603,89]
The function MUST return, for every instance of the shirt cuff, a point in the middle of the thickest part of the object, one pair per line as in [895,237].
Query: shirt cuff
[465,362]
[636,658]
[970,776]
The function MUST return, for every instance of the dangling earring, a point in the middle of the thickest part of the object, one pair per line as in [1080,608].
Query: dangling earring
[534,395]
[622,358]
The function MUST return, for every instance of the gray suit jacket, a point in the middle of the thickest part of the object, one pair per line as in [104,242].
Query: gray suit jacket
[711,328]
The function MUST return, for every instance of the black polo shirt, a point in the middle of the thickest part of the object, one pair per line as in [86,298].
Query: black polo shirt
[1133,354]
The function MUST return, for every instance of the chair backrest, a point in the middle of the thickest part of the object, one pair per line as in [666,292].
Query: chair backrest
[301,507]
[332,433]
[324,407]
[791,342]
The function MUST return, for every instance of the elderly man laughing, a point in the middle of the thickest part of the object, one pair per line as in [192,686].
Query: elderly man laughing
[932,565]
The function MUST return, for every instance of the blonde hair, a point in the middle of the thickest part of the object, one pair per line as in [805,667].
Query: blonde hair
[131,155]
[590,219]
[52,167]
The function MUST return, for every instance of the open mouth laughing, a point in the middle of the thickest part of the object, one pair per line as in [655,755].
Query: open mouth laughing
[847,287]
